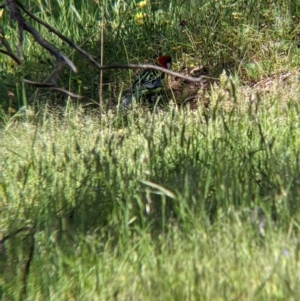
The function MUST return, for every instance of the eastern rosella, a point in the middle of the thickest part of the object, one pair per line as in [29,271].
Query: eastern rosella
[148,81]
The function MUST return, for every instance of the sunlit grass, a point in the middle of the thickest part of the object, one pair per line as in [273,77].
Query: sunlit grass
[154,203]
[159,207]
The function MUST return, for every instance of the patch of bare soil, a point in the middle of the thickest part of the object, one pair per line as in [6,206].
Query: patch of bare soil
[193,94]
[190,94]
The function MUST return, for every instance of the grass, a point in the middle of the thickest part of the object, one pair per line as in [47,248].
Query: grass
[156,203]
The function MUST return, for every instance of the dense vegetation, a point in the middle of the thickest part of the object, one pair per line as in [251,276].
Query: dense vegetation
[181,200]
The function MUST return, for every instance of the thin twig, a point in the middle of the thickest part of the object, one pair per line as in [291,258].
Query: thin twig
[24,25]
[51,86]
[61,36]
[14,233]
[158,68]
[106,67]
[11,55]
[9,51]
[31,231]
[39,84]
[27,269]
[188,99]
[69,93]
[14,7]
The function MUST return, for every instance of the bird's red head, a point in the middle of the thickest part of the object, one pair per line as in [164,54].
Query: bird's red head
[165,61]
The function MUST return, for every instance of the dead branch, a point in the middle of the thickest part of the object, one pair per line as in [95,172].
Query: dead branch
[69,93]
[153,67]
[14,7]
[23,25]
[51,86]
[61,36]
[106,67]
[16,232]
[8,51]
[38,84]
[26,270]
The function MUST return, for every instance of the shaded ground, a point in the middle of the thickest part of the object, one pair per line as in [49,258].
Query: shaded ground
[185,93]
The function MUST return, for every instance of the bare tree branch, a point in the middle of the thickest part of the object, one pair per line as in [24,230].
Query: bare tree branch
[38,84]
[69,93]
[51,86]
[105,67]
[67,40]
[11,55]
[158,68]
[24,25]
[16,232]
[15,14]
[26,271]
[9,51]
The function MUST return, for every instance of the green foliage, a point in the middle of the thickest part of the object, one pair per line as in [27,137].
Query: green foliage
[154,203]
[128,202]
[252,38]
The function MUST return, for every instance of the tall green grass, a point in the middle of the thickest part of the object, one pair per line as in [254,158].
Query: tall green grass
[254,39]
[159,208]
[154,203]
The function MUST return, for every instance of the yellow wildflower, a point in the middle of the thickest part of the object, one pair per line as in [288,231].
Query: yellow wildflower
[236,15]
[139,16]
[142,4]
